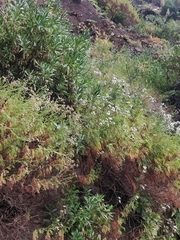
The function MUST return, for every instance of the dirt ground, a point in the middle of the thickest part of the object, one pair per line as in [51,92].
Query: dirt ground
[84,15]
[22,213]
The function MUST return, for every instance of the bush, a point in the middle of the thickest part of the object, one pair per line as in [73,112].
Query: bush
[36,45]
[170,62]
[85,217]
[36,140]
[115,109]
[171,5]
[121,146]
[120,11]
[168,31]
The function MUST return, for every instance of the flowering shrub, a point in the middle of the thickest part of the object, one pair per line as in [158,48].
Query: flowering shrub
[34,140]
[116,110]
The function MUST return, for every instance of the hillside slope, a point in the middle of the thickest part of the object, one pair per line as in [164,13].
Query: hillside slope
[88,151]
[84,15]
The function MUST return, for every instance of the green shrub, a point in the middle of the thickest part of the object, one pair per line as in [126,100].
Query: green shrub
[120,11]
[152,221]
[168,31]
[155,224]
[36,139]
[39,138]
[115,110]
[36,45]
[170,63]
[149,71]
[171,5]
[154,69]
[88,220]
[82,216]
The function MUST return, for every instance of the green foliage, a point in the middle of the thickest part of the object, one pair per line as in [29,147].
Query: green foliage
[36,138]
[115,115]
[157,70]
[87,219]
[171,5]
[114,109]
[151,220]
[153,223]
[170,63]
[176,215]
[83,216]
[120,11]
[130,207]
[95,4]
[36,45]
[169,31]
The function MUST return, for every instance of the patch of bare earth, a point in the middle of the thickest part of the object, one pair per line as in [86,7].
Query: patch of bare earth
[21,213]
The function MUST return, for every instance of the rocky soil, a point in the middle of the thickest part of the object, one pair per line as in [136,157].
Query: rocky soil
[83,15]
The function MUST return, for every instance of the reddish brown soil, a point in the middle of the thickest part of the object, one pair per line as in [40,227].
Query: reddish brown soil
[80,12]
[22,213]
[84,15]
